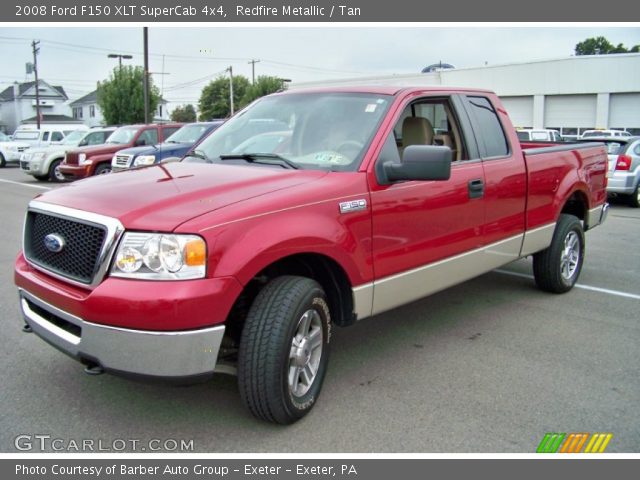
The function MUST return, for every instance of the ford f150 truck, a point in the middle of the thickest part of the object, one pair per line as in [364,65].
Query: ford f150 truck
[243,259]
[87,161]
[177,145]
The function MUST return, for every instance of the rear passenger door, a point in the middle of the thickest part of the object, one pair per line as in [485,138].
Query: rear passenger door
[505,176]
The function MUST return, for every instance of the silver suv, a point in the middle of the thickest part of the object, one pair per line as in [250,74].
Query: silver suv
[43,163]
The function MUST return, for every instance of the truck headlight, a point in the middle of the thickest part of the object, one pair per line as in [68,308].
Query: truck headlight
[157,256]
[82,158]
[144,160]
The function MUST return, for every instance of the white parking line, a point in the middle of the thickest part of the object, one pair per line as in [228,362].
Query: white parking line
[578,285]
[39,187]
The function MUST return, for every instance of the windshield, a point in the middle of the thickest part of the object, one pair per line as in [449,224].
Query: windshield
[188,134]
[311,130]
[122,135]
[26,135]
[74,137]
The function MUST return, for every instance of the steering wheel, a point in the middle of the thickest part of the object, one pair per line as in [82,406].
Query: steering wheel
[352,146]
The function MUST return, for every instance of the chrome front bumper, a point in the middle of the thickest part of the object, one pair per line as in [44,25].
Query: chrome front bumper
[180,354]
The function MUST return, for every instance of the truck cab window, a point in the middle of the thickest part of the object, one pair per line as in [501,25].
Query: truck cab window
[491,137]
[429,122]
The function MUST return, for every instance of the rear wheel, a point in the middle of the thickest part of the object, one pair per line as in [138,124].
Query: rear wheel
[284,349]
[55,175]
[103,169]
[557,268]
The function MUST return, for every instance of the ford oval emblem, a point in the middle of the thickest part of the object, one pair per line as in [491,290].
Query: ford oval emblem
[54,243]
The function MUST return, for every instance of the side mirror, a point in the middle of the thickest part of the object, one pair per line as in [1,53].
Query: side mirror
[420,162]
[140,142]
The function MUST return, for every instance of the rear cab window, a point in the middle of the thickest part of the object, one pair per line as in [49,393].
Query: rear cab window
[490,135]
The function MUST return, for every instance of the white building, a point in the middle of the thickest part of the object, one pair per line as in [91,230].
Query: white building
[18,104]
[569,94]
[88,111]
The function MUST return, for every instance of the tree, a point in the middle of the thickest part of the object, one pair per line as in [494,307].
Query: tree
[264,86]
[602,46]
[214,99]
[184,114]
[121,97]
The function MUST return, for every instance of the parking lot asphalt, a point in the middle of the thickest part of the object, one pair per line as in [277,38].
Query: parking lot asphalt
[490,365]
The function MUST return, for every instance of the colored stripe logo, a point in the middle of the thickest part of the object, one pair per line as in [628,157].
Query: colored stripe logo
[574,442]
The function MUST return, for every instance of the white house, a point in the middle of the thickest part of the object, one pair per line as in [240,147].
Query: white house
[18,104]
[569,94]
[88,111]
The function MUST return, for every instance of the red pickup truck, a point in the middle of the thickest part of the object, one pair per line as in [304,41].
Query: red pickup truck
[96,160]
[244,255]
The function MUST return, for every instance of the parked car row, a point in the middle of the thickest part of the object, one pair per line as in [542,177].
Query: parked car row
[550,135]
[84,153]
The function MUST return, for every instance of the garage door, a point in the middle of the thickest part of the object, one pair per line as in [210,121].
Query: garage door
[624,110]
[520,110]
[570,111]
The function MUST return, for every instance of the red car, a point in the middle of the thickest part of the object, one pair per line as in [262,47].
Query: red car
[87,161]
[243,256]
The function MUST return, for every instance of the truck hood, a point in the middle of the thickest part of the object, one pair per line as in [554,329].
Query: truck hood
[160,148]
[162,197]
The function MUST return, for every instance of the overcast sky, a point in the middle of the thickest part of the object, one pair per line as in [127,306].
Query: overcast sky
[76,58]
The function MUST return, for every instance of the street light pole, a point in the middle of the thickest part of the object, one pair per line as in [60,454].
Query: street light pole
[34,44]
[146,74]
[230,70]
[119,57]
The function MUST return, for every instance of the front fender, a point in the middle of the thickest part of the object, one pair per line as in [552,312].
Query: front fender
[245,248]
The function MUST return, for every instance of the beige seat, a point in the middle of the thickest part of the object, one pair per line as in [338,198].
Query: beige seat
[416,131]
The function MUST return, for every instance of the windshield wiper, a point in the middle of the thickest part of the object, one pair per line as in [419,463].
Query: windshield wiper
[266,158]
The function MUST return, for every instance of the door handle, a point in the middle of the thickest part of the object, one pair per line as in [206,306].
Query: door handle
[476,188]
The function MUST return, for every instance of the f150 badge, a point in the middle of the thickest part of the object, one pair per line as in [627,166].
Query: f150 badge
[353,206]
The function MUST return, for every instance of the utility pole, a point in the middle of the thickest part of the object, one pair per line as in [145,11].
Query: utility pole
[35,44]
[253,70]
[145,79]
[230,70]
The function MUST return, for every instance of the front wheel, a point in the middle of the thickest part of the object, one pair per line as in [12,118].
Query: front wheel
[55,175]
[3,162]
[557,268]
[284,349]
[103,169]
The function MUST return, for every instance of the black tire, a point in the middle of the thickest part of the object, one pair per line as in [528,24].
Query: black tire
[103,169]
[271,335]
[54,172]
[3,162]
[556,269]
[634,198]
[41,178]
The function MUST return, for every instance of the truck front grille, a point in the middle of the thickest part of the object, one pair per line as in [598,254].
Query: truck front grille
[123,160]
[82,243]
